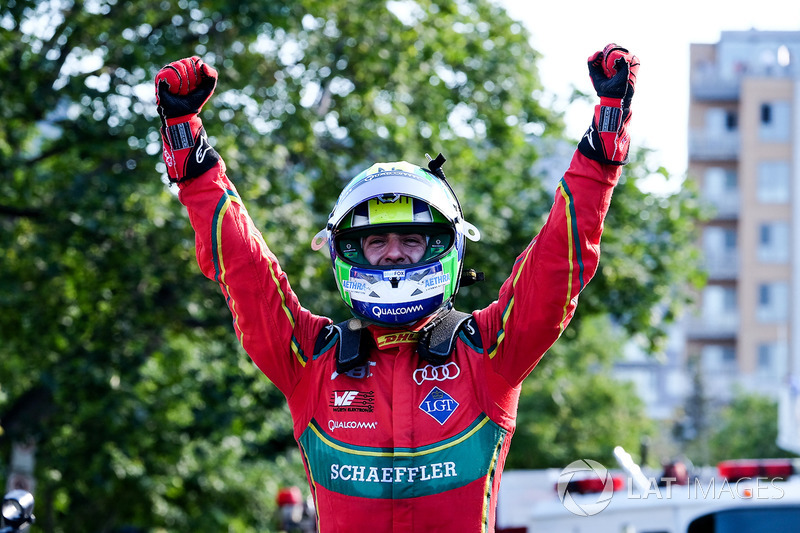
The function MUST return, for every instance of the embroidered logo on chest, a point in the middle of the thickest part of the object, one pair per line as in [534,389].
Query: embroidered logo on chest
[352,401]
[404,337]
[439,405]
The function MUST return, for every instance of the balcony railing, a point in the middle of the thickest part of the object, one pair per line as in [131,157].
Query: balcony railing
[712,328]
[713,146]
[725,205]
[721,266]
[713,87]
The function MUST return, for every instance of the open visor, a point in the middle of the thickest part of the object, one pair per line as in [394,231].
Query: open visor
[349,243]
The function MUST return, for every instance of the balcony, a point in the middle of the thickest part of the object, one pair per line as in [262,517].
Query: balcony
[721,265]
[725,205]
[711,328]
[710,86]
[713,146]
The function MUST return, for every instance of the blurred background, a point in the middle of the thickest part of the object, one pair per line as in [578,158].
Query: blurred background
[126,403]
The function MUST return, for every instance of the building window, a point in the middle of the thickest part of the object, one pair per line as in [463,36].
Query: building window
[720,180]
[729,238]
[721,189]
[731,121]
[775,122]
[773,302]
[771,359]
[766,114]
[721,121]
[728,299]
[764,356]
[717,358]
[773,242]
[773,182]
[728,355]
[720,251]
[719,308]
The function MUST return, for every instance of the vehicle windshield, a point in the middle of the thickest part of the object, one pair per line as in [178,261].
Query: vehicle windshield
[775,519]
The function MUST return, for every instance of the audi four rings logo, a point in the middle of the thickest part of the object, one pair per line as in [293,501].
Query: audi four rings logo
[436,373]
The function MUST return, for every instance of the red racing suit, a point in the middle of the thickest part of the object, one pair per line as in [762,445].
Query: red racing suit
[400,445]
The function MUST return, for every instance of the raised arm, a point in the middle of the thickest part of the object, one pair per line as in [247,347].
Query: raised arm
[267,318]
[538,300]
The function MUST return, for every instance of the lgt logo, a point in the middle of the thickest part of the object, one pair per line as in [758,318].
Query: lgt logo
[439,405]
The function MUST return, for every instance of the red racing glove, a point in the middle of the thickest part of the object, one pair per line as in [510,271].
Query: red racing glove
[613,73]
[182,88]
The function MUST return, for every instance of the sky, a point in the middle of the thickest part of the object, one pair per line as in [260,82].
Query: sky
[567,32]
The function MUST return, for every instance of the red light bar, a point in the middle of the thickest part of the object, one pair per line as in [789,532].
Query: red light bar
[752,468]
[593,485]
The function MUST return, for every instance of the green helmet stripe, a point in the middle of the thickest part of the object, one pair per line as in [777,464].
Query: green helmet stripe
[450,266]
[342,274]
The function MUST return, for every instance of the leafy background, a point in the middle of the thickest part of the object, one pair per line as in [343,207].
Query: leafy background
[117,358]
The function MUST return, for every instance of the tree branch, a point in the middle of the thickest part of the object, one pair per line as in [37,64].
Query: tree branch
[19,212]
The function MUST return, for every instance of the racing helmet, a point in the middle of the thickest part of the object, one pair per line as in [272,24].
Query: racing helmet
[403,198]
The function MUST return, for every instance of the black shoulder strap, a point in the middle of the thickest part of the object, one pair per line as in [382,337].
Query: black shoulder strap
[348,344]
[349,354]
[436,341]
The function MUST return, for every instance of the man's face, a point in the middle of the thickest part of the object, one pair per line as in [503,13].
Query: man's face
[384,249]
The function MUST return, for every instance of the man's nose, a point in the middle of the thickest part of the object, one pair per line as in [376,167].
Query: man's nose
[394,251]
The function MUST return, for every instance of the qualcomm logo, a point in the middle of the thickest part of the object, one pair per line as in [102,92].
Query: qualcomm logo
[585,468]
[350,424]
[395,311]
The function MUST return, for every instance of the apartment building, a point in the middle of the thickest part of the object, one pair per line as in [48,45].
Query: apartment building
[744,152]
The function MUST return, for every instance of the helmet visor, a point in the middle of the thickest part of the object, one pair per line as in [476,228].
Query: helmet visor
[349,243]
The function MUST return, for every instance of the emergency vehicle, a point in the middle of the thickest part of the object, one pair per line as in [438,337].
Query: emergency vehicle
[741,496]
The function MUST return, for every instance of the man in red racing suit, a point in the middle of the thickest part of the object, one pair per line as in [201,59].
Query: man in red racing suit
[399,444]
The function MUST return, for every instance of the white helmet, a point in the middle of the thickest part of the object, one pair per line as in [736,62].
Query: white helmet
[403,198]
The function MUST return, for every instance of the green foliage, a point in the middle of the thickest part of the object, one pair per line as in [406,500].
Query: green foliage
[565,415]
[648,258]
[118,357]
[746,429]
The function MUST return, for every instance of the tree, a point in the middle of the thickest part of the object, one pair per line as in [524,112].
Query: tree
[566,415]
[154,416]
[747,428]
